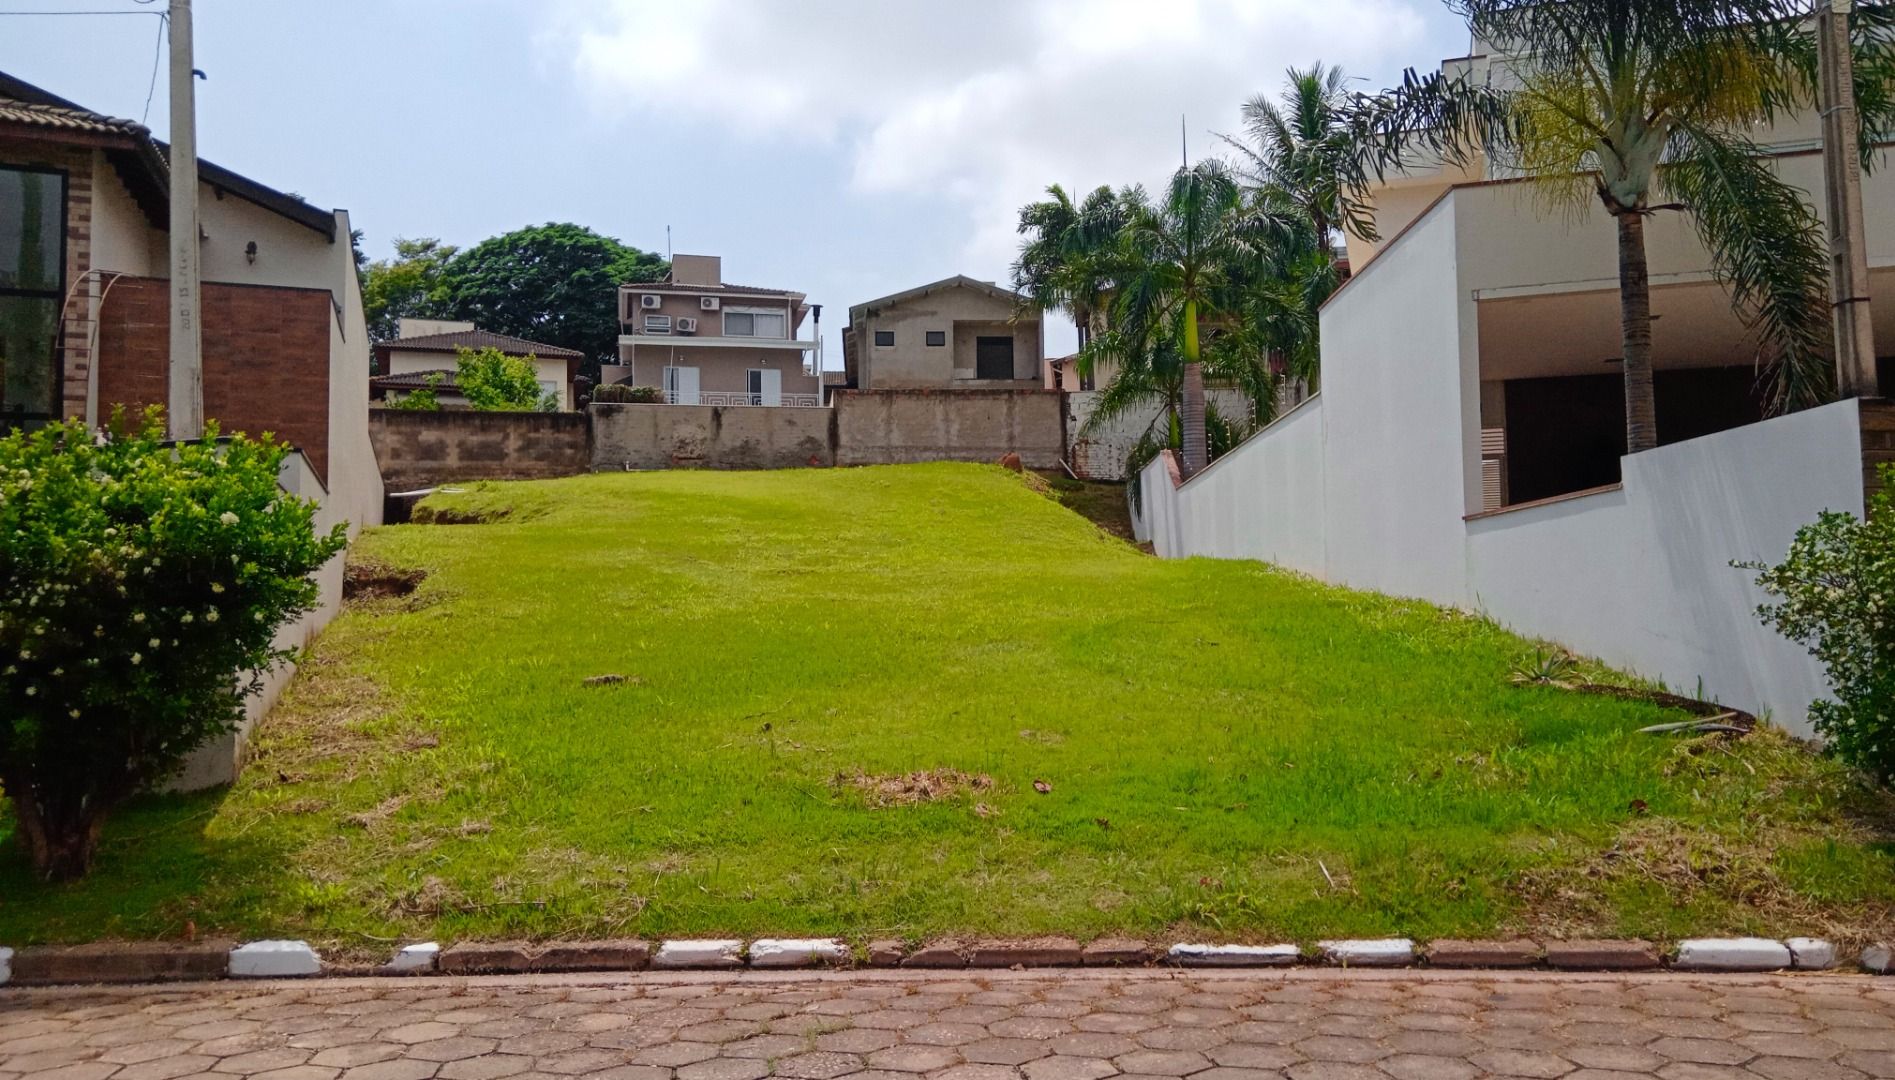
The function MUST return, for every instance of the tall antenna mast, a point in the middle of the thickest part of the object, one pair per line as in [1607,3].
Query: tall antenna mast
[1184,151]
[667,243]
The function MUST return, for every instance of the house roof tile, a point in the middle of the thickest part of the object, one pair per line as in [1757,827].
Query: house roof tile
[415,380]
[480,339]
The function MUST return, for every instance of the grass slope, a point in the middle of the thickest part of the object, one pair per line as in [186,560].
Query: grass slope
[1230,749]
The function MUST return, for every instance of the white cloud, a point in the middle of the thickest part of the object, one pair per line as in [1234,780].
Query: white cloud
[981,103]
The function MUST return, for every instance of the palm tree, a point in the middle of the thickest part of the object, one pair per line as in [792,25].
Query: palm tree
[1302,148]
[1624,100]
[1067,262]
[1185,262]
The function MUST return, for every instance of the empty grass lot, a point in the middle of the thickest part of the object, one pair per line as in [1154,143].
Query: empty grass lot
[1228,750]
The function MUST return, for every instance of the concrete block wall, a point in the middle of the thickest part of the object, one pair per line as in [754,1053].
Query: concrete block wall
[421,449]
[888,427]
[636,436]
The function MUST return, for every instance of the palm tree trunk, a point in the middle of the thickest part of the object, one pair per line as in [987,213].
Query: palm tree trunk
[1635,324]
[1197,453]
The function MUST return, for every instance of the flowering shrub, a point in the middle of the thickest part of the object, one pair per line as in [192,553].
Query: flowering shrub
[143,586]
[1833,593]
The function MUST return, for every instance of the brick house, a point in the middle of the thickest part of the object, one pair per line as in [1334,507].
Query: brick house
[84,306]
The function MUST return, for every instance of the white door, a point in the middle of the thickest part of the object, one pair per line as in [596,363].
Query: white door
[766,386]
[681,385]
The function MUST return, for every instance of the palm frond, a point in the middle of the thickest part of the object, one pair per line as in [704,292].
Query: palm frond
[1767,244]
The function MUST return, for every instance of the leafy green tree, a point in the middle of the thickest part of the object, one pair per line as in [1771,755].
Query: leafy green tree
[554,283]
[146,583]
[425,399]
[1630,101]
[413,284]
[492,381]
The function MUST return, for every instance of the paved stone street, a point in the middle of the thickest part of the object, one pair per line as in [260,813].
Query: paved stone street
[1067,1025]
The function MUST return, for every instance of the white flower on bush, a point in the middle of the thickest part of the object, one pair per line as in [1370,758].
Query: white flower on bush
[154,643]
[138,658]
[217,586]
[227,518]
[211,615]
[138,616]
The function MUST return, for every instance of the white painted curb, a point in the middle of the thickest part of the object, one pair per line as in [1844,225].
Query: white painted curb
[797,952]
[1879,958]
[716,953]
[274,960]
[1732,954]
[6,965]
[1194,955]
[1373,952]
[423,956]
[1811,954]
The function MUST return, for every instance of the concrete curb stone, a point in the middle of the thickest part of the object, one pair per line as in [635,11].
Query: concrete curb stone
[1879,959]
[6,965]
[274,960]
[1368,952]
[485,958]
[937,954]
[1629,954]
[886,952]
[418,959]
[1811,954]
[1032,952]
[619,954]
[1731,954]
[798,952]
[1193,954]
[700,954]
[121,962]
[1451,953]
[1115,952]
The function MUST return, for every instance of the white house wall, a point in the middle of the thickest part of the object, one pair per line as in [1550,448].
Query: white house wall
[1641,576]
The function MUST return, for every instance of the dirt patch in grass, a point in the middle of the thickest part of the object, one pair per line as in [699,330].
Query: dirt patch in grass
[369,580]
[1097,501]
[915,788]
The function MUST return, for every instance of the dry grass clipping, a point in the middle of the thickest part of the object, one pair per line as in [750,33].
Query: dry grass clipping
[915,788]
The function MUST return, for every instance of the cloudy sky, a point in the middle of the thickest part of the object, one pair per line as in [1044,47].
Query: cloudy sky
[845,148]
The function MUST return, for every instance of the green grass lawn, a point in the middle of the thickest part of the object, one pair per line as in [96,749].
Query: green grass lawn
[1229,750]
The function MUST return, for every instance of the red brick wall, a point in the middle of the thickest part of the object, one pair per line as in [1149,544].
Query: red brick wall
[266,358]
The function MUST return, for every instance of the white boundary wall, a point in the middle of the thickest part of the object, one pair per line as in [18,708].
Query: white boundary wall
[1371,483]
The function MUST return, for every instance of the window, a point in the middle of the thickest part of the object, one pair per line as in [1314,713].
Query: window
[763,324]
[993,358]
[657,324]
[937,338]
[884,338]
[32,271]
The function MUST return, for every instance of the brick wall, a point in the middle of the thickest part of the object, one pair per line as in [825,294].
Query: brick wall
[266,358]
[1878,444]
[890,427]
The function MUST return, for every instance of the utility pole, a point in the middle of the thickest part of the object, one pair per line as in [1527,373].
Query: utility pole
[184,403]
[1842,190]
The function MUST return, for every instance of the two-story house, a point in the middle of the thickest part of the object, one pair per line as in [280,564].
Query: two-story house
[956,333]
[704,341]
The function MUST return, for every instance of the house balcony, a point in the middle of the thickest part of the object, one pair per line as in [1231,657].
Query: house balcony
[713,397]
[632,336]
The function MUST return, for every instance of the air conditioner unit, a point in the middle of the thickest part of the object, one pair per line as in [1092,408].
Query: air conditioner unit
[657,324]
[708,303]
[687,326]
[650,300]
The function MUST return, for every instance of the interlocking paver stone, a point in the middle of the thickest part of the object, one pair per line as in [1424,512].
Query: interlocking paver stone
[1076,1024]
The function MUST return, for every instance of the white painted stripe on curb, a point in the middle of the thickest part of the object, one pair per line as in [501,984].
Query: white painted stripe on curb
[422,956]
[1811,954]
[1879,958]
[715,953]
[274,960]
[797,952]
[1195,955]
[1732,954]
[6,965]
[1371,952]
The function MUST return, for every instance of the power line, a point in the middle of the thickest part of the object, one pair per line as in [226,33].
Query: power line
[157,54]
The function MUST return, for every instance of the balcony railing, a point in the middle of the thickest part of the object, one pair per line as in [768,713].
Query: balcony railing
[711,397]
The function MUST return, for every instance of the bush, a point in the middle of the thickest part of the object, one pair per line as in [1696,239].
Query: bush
[492,381]
[144,585]
[626,393]
[421,400]
[1833,593]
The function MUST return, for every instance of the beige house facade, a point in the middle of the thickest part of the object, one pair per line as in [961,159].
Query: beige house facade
[703,341]
[431,347]
[956,333]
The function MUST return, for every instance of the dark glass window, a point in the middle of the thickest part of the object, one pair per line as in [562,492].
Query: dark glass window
[884,337]
[993,358]
[32,269]
[937,337]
